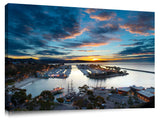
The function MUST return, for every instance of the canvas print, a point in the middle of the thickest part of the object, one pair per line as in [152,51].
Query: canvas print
[68,58]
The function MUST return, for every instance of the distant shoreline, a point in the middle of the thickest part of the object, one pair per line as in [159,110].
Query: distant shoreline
[25,82]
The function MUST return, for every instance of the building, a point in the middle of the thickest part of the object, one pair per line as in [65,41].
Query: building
[124,90]
[151,90]
[134,89]
[145,95]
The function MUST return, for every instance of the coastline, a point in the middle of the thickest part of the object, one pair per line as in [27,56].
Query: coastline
[25,82]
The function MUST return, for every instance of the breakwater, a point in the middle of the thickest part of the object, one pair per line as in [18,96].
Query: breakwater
[138,70]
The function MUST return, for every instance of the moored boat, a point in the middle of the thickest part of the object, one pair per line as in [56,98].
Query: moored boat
[57,90]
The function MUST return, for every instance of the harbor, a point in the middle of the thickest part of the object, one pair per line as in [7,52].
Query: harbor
[62,71]
[100,72]
[69,92]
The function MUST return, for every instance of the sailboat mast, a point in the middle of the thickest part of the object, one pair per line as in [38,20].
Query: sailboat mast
[68,88]
[71,86]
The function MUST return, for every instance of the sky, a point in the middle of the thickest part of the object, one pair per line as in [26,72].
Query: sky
[70,33]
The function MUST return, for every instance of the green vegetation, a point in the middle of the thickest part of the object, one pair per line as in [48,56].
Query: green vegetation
[23,102]
[47,95]
[45,105]
[90,106]
[89,92]
[130,101]
[84,88]
[18,72]
[81,103]
[60,100]
[91,101]
[19,97]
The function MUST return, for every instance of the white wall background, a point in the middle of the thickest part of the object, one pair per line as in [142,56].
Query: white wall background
[129,114]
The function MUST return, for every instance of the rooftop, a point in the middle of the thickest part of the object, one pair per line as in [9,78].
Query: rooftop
[137,88]
[126,89]
[150,90]
[146,93]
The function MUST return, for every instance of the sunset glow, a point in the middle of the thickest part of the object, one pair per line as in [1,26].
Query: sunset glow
[68,33]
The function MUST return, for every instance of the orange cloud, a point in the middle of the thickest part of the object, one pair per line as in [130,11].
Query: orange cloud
[76,34]
[135,29]
[120,19]
[101,18]
[118,39]
[94,44]
[90,10]
[149,53]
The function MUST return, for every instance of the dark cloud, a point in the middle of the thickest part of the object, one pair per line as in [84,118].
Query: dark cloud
[77,56]
[107,24]
[50,59]
[34,26]
[106,28]
[18,53]
[143,24]
[146,48]
[72,44]
[51,52]
[129,51]
[95,40]
[134,44]
[14,45]
[60,22]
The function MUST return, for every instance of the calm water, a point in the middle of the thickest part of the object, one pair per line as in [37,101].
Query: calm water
[78,79]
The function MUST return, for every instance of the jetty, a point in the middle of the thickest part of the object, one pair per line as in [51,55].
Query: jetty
[139,70]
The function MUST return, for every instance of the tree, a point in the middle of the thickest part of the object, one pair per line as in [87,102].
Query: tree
[29,97]
[89,92]
[47,95]
[89,106]
[79,103]
[100,99]
[92,98]
[84,88]
[45,105]
[130,102]
[30,105]
[113,90]
[61,100]
[19,97]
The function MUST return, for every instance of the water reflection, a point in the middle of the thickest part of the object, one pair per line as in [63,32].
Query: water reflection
[79,79]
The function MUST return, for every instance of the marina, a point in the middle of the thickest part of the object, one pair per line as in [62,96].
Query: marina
[100,72]
[78,78]
[68,58]
[62,71]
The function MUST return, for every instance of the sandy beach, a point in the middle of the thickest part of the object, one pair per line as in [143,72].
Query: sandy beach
[25,82]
